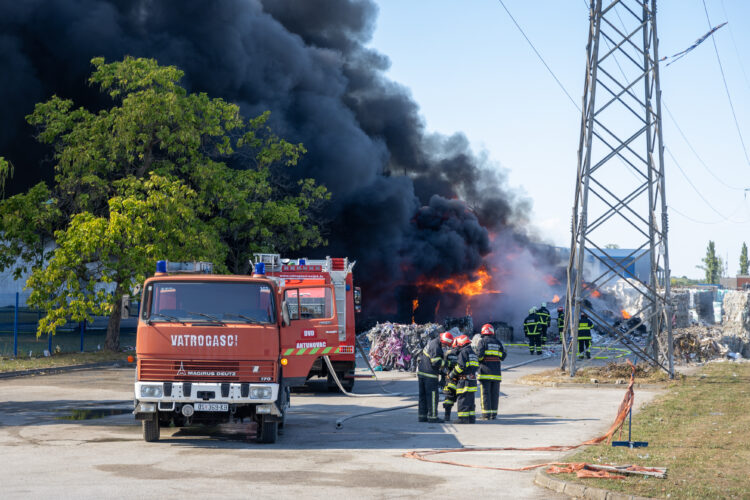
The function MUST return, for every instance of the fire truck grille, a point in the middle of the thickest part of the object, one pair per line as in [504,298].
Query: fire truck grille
[207,371]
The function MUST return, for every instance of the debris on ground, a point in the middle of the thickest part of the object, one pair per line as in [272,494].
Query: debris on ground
[396,346]
[699,343]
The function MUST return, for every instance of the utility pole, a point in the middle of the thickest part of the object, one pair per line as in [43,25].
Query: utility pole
[619,192]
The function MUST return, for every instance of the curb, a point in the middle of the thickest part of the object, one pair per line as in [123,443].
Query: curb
[576,490]
[63,369]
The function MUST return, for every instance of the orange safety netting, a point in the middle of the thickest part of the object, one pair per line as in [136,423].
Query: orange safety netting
[582,469]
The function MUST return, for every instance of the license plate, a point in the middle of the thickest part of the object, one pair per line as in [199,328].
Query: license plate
[211,407]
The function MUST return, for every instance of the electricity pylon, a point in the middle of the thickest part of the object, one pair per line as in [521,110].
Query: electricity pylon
[620,183]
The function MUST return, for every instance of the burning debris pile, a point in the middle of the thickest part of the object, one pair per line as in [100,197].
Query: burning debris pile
[395,347]
[464,324]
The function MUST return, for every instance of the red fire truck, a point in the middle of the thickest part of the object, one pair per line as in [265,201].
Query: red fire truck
[216,348]
[328,271]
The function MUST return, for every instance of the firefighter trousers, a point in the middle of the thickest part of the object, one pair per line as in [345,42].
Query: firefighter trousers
[466,390]
[584,347]
[450,394]
[489,395]
[428,397]
[535,343]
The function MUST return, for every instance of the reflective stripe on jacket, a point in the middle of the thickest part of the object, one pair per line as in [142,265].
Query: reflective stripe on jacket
[531,325]
[584,329]
[430,359]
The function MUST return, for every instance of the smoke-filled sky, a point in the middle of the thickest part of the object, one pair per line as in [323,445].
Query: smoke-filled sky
[396,188]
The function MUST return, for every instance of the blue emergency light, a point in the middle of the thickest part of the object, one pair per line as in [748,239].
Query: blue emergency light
[302,262]
[260,268]
[161,266]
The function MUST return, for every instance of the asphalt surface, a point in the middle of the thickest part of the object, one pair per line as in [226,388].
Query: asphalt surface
[48,454]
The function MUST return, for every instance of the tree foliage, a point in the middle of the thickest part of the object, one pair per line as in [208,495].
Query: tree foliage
[712,264]
[161,173]
[743,260]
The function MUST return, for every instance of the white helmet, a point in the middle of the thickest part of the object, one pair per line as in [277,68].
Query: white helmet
[532,310]
[544,304]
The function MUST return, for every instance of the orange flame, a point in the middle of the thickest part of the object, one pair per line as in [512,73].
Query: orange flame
[625,314]
[551,280]
[555,299]
[414,305]
[437,308]
[596,294]
[462,286]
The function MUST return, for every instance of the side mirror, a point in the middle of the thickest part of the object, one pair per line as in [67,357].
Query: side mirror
[285,314]
[357,299]
[125,309]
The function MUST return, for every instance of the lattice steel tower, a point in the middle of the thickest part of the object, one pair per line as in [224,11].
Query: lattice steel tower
[620,183]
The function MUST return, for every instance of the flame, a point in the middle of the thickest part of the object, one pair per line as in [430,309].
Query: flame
[625,314]
[414,305]
[596,294]
[462,286]
[551,280]
[437,308]
[555,299]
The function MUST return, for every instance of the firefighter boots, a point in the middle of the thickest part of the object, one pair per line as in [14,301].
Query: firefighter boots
[447,414]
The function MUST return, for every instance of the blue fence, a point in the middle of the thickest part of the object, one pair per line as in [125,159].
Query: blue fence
[18,328]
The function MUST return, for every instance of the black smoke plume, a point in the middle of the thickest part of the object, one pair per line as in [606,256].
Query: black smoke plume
[395,187]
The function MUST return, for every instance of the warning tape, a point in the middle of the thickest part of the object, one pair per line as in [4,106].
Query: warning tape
[623,352]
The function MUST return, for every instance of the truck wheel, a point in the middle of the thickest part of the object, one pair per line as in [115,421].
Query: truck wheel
[151,429]
[267,430]
[346,383]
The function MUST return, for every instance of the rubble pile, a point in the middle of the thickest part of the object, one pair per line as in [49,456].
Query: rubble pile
[736,322]
[395,346]
[699,343]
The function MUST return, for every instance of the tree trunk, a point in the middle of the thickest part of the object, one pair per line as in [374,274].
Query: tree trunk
[112,342]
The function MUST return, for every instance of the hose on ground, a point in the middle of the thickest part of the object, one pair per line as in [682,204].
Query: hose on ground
[340,422]
[335,378]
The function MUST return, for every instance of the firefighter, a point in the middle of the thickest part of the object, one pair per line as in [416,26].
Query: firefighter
[450,356]
[490,352]
[544,317]
[560,321]
[531,327]
[584,336]
[466,388]
[429,365]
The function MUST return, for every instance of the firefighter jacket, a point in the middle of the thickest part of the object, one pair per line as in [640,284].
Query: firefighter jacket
[561,321]
[544,317]
[467,364]
[490,352]
[584,329]
[430,359]
[532,325]
[450,357]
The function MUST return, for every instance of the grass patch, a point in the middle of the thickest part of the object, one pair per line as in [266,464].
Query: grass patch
[698,430]
[610,373]
[59,360]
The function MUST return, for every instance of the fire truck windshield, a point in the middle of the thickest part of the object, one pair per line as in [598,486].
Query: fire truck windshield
[224,302]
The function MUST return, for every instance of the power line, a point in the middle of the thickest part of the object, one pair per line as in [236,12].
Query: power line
[677,164]
[726,87]
[540,56]
[734,42]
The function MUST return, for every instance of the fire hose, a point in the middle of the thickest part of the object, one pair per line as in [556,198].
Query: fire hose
[340,421]
[581,469]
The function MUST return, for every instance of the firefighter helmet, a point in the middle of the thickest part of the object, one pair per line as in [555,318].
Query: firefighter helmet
[462,340]
[560,309]
[544,304]
[446,338]
[488,330]
[532,310]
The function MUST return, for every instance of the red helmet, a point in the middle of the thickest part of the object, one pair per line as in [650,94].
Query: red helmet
[488,330]
[560,309]
[462,340]
[446,338]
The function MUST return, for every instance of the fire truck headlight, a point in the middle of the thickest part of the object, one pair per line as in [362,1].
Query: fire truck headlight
[260,393]
[151,391]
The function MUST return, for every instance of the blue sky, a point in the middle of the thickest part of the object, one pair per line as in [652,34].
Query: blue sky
[470,70]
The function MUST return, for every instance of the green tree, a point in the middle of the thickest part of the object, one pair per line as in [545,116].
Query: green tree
[149,177]
[712,264]
[743,260]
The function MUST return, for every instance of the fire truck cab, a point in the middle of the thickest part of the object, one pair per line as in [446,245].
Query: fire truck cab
[217,348]
[329,271]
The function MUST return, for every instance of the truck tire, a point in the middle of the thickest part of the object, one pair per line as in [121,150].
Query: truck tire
[151,429]
[268,430]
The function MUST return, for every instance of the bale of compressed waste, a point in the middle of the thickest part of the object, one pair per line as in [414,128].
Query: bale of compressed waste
[395,346]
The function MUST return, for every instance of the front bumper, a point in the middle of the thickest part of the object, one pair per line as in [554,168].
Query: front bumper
[215,392]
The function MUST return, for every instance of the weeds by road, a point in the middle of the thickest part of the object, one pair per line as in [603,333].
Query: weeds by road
[60,360]
[613,372]
[698,430]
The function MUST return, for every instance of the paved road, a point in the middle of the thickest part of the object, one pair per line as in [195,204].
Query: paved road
[45,454]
